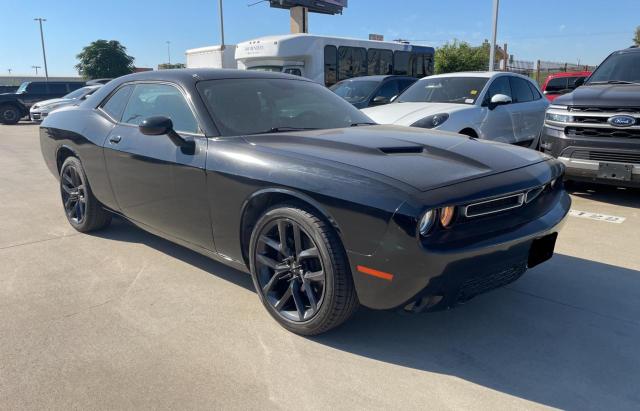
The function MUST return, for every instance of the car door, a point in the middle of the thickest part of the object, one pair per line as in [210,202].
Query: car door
[528,112]
[155,182]
[497,122]
[34,93]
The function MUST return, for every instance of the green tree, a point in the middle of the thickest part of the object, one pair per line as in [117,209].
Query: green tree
[460,56]
[636,37]
[104,59]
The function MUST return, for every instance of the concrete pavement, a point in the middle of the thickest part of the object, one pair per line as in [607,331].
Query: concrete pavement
[125,320]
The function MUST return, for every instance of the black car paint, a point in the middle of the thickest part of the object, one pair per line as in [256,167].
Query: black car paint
[382,79]
[208,200]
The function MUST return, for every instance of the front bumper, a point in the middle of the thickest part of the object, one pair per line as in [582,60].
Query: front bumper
[584,157]
[461,263]
[38,115]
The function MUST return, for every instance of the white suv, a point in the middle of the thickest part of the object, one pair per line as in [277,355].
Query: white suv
[497,106]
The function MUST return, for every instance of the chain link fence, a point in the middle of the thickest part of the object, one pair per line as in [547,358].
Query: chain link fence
[539,70]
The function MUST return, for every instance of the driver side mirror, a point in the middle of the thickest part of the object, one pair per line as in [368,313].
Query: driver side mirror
[499,100]
[380,100]
[160,125]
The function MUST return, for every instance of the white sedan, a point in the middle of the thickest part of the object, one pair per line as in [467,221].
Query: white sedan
[497,106]
[42,109]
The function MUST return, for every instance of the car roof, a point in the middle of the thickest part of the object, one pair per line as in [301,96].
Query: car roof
[378,77]
[570,74]
[201,74]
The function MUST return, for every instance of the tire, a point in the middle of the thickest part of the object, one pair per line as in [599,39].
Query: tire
[84,212]
[304,284]
[9,114]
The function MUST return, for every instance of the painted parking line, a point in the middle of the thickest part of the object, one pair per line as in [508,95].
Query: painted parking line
[597,216]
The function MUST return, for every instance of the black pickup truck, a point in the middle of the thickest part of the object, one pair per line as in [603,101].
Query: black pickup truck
[595,130]
[14,106]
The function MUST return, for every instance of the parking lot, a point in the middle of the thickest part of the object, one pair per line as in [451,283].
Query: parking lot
[123,319]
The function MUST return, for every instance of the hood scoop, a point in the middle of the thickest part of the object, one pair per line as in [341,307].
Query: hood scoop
[402,150]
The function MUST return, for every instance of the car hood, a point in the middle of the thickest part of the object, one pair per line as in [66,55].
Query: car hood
[408,113]
[422,159]
[605,95]
[52,101]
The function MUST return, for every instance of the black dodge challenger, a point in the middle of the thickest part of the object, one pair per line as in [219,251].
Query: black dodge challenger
[277,176]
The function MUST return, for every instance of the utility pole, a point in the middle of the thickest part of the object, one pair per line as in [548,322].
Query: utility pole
[44,54]
[36,67]
[492,51]
[221,25]
[9,70]
[169,50]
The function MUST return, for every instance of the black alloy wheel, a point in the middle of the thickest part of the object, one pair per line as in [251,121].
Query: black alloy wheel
[300,270]
[84,212]
[290,272]
[74,197]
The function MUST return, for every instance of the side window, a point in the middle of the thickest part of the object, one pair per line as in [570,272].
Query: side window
[352,62]
[404,84]
[521,91]
[556,85]
[499,86]
[116,103]
[571,82]
[534,91]
[417,65]
[388,89]
[401,63]
[37,88]
[57,88]
[159,100]
[330,65]
[379,61]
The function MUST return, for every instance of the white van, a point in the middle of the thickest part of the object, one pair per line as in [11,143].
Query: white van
[328,60]
[212,57]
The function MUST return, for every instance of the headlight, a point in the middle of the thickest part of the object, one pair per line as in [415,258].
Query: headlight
[431,121]
[558,118]
[426,222]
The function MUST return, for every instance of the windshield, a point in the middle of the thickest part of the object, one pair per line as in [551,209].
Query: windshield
[22,88]
[460,90]
[623,67]
[354,91]
[77,93]
[253,106]
[276,69]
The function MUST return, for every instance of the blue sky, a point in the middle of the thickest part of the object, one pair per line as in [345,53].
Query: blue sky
[549,30]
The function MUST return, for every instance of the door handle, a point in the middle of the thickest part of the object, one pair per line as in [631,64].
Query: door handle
[115,139]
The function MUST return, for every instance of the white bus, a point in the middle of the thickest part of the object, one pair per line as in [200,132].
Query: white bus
[328,60]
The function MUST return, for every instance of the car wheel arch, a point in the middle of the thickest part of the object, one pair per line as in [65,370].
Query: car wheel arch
[260,201]
[62,153]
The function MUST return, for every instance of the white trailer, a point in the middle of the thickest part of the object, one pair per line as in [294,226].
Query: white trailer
[212,57]
[327,60]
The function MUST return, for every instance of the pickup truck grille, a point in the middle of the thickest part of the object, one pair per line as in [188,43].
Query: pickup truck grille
[607,156]
[602,132]
[615,110]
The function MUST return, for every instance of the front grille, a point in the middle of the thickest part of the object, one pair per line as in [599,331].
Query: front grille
[601,132]
[482,284]
[617,110]
[494,206]
[607,156]
[590,120]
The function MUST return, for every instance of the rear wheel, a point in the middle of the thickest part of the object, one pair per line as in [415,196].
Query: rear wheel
[9,114]
[300,270]
[82,209]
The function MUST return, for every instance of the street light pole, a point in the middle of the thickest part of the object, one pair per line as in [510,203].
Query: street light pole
[221,25]
[169,51]
[36,67]
[44,54]
[492,51]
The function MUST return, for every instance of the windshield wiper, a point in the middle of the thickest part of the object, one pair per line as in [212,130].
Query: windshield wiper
[612,82]
[363,124]
[284,129]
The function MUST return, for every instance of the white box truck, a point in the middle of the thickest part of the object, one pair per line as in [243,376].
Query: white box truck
[212,57]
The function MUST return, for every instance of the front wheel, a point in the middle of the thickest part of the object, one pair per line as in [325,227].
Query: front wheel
[300,270]
[9,114]
[82,209]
